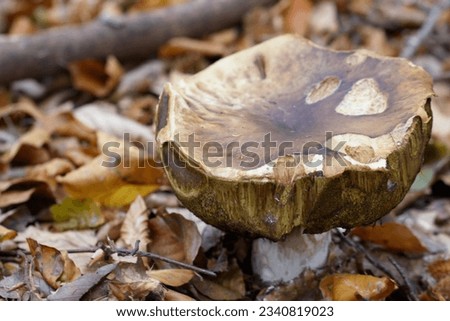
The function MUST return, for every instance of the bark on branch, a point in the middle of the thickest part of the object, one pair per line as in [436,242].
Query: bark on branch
[127,37]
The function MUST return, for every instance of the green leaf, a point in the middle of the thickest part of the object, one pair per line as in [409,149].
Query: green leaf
[76,214]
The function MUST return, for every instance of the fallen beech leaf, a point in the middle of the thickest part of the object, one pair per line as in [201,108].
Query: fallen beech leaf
[73,291]
[96,77]
[131,282]
[137,290]
[49,170]
[439,269]
[76,214]
[6,234]
[10,286]
[297,17]
[114,178]
[29,149]
[135,226]
[102,117]
[172,277]
[15,197]
[172,295]
[391,235]
[442,288]
[22,190]
[181,45]
[54,266]
[353,287]
[174,237]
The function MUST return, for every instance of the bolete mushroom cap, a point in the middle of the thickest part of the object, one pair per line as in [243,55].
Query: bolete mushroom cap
[288,134]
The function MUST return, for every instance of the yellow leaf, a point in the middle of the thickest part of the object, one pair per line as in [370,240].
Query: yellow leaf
[353,287]
[76,214]
[114,182]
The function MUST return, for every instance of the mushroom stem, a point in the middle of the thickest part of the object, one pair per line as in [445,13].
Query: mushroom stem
[287,259]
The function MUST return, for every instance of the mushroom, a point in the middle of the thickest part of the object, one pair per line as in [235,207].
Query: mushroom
[288,134]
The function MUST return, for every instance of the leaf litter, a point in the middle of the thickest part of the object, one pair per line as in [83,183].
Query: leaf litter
[72,229]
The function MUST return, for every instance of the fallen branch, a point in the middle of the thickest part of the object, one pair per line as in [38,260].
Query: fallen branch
[126,37]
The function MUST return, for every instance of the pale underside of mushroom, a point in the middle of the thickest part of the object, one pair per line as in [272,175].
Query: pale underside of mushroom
[288,134]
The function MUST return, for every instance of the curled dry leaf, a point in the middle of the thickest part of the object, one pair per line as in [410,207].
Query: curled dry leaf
[130,282]
[102,117]
[96,77]
[137,290]
[393,236]
[21,190]
[181,46]
[115,177]
[353,287]
[172,277]
[6,234]
[29,149]
[440,271]
[74,291]
[172,295]
[48,171]
[174,237]
[135,227]
[55,267]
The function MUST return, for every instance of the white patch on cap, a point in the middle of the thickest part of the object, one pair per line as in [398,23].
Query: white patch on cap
[365,98]
[322,90]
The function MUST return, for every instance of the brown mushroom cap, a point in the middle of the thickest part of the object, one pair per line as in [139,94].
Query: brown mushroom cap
[354,127]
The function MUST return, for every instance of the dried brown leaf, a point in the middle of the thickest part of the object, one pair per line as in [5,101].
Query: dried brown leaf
[116,177]
[29,149]
[354,287]
[54,266]
[172,295]
[49,170]
[6,234]
[15,197]
[439,269]
[135,227]
[96,77]
[174,237]
[297,17]
[137,290]
[172,277]
[181,46]
[102,117]
[393,236]
[75,290]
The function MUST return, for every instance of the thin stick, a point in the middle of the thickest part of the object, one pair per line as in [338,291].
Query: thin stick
[133,252]
[414,41]
[411,288]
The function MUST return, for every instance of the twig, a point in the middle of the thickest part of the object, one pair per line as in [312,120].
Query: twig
[414,41]
[368,256]
[411,288]
[124,252]
[126,37]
